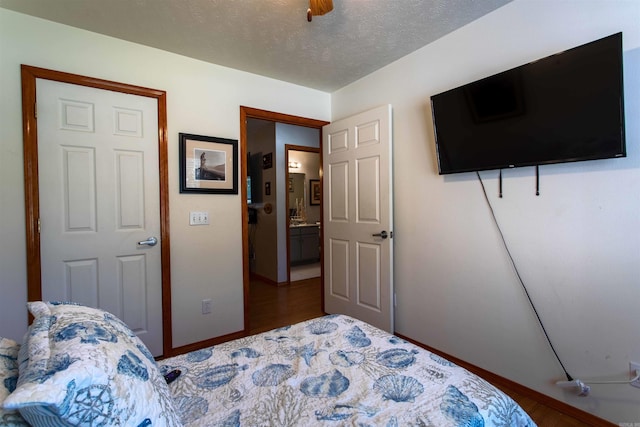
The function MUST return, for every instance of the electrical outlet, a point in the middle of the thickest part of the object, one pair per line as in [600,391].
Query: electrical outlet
[198,218]
[634,367]
[206,306]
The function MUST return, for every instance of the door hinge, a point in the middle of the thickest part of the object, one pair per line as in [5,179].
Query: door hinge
[35,110]
[39,224]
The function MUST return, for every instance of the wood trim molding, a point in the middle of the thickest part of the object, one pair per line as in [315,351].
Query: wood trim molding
[206,343]
[264,279]
[29,75]
[246,279]
[31,194]
[559,406]
[255,113]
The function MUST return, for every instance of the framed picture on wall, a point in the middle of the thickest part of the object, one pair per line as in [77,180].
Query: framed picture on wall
[267,161]
[208,164]
[315,194]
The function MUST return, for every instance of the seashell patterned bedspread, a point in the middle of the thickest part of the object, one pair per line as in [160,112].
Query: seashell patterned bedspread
[332,371]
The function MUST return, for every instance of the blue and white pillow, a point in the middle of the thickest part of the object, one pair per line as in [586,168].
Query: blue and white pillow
[83,366]
[8,380]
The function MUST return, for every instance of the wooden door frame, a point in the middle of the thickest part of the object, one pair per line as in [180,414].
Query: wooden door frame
[255,113]
[288,148]
[29,75]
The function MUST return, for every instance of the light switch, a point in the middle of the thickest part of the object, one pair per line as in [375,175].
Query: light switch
[198,218]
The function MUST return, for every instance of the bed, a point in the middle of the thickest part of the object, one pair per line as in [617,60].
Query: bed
[80,365]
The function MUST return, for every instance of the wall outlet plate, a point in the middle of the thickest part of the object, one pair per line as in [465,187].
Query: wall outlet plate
[634,367]
[206,306]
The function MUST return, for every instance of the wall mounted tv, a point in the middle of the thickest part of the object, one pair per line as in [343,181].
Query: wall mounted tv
[564,108]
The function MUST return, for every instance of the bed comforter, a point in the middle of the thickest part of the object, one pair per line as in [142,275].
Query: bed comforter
[332,371]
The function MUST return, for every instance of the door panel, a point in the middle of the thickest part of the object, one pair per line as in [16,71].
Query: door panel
[129,190]
[79,170]
[357,207]
[369,280]
[132,283]
[368,190]
[338,199]
[81,282]
[338,285]
[99,196]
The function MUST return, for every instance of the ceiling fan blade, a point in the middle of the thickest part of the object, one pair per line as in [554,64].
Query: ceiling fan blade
[320,7]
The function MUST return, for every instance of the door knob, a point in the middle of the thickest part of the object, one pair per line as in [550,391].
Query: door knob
[151,241]
[382,234]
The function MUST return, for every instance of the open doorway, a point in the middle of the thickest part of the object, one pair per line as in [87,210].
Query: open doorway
[268,161]
[304,217]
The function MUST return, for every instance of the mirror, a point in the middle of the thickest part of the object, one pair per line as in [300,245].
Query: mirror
[296,196]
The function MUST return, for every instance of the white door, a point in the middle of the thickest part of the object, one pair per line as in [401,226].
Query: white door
[358,217]
[99,197]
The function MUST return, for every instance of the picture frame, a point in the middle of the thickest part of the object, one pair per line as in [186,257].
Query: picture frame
[267,161]
[208,164]
[315,192]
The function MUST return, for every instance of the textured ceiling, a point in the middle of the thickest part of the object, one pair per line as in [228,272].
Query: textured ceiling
[272,37]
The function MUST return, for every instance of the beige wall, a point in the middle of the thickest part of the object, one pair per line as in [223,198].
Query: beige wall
[577,245]
[202,99]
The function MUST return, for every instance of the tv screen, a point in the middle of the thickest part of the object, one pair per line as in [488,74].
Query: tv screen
[563,108]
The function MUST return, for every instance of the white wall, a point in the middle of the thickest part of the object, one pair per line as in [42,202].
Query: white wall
[206,262]
[577,245]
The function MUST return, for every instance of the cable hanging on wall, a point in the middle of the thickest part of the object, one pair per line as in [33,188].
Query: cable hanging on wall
[513,263]
[582,386]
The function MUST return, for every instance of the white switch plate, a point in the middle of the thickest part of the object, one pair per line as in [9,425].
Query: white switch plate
[198,218]
[206,306]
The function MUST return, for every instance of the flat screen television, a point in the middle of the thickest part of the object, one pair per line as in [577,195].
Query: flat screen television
[564,108]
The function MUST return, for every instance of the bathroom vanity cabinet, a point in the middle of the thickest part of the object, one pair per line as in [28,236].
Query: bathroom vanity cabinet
[304,244]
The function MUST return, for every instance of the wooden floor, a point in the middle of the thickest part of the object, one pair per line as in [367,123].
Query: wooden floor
[274,307]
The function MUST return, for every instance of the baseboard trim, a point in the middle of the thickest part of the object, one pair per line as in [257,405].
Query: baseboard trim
[204,344]
[262,278]
[559,406]
[255,276]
